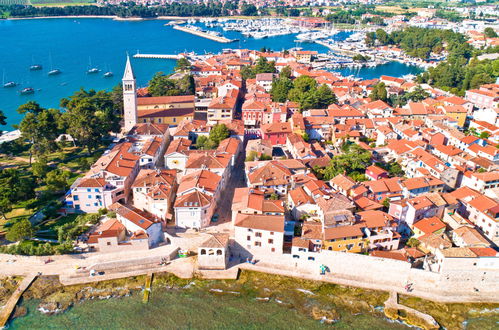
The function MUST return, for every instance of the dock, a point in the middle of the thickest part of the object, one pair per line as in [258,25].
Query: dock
[203,34]
[147,288]
[159,56]
[13,300]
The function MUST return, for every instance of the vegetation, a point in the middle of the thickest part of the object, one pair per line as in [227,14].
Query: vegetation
[164,85]
[306,92]
[253,156]
[20,230]
[379,92]
[218,133]
[262,66]
[353,162]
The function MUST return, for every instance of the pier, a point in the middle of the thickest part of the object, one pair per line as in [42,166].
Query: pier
[203,34]
[147,288]
[12,302]
[159,56]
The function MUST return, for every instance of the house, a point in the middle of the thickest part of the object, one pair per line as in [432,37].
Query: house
[482,181]
[262,148]
[276,133]
[177,154]
[153,191]
[259,234]
[251,201]
[197,197]
[374,172]
[265,80]
[223,107]
[213,253]
[348,238]
[379,230]
[482,99]
[140,225]
[468,236]
[428,226]
[301,204]
[271,177]
[108,236]
[484,213]
[108,181]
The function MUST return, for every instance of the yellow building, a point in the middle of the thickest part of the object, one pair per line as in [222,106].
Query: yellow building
[456,112]
[165,109]
[347,238]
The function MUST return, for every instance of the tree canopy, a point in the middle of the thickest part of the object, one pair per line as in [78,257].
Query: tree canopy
[20,230]
[163,85]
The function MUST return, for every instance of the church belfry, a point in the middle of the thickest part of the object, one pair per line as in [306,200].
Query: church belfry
[129,97]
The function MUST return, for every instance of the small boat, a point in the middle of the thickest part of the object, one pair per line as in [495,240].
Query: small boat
[35,67]
[9,84]
[27,91]
[108,74]
[92,70]
[54,72]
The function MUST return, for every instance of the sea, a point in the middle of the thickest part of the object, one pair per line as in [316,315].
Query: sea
[73,45]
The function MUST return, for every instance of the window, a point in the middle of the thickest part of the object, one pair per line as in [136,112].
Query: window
[219,252]
[76,198]
[271,241]
[258,234]
[108,243]
[203,251]
[248,238]
[77,207]
[258,244]
[271,233]
[89,190]
[96,190]
[89,196]
[272,250]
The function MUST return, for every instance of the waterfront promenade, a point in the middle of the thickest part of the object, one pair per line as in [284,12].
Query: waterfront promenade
[377,274]
[12,302]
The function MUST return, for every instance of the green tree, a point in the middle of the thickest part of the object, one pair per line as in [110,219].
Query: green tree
[280,89]
[249,10]
[386,203]
[304,92]
[355,159]
[3,120]
[218,133]
[370,39]
[379,92]
[413,242]
[286,72]
[41,127]
[90,116]
[40,168]
[161,85]
[57,180]
[183,64]
[325,97]
[264,66]
[484,135]
[489,32]
[20,230]
[382,37]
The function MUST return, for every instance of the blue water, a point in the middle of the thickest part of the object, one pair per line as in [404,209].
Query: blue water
[71,45]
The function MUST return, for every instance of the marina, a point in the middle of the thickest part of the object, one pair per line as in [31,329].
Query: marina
[159,56]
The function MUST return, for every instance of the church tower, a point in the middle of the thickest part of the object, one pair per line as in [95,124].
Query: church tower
[129,97]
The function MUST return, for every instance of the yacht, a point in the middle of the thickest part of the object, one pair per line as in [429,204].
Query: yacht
[108,74]
[9,84]
[35,67]
[93,70]
[27,90]
[54,72]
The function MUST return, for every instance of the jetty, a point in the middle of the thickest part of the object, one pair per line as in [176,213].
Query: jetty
[12,302]
[159,56]
[203,34]
[147,288]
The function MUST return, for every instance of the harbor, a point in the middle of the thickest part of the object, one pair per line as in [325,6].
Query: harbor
[200,33]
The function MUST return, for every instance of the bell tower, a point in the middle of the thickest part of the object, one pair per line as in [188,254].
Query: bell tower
[129,97]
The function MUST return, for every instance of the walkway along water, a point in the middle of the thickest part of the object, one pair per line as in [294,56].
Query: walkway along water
[12,302]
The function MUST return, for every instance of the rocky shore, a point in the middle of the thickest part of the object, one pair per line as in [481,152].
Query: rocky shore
[324,302]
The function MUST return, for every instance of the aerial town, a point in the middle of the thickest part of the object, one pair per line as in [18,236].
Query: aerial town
[280,161]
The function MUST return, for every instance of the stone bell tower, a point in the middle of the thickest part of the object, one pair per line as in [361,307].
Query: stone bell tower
[129,97]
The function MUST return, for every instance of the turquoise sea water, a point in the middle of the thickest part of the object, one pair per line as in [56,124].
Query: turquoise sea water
[71,45]
[189,310]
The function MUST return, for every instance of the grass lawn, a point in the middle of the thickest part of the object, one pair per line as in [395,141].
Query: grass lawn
[19,212]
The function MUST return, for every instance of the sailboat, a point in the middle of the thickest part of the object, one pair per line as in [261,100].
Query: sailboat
[35,67]
[9,83]
[27,91]
[92,70]
[108,73]
[53,72]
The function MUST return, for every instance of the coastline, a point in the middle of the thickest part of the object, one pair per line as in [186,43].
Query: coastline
[322,302]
